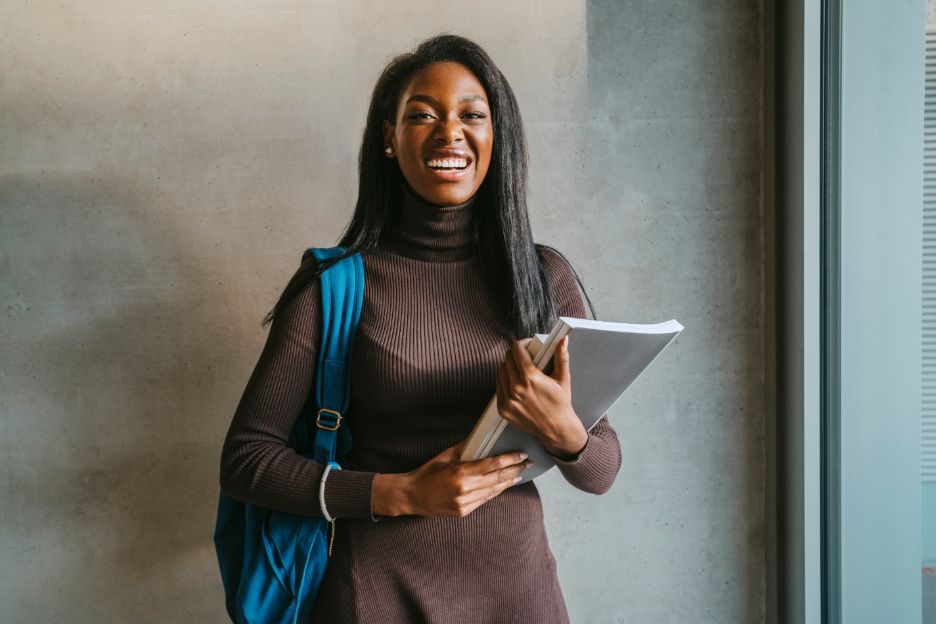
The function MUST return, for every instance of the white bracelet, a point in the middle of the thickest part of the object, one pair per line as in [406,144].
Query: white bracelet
[328,467]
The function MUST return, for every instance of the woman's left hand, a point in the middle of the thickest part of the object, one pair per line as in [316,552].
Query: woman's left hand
[540,404]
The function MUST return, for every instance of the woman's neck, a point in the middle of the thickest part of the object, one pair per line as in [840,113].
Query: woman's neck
[425,231]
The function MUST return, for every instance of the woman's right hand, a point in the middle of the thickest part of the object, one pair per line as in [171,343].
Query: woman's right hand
[443,486]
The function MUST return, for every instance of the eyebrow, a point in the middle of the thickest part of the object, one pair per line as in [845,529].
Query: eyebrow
[431,100]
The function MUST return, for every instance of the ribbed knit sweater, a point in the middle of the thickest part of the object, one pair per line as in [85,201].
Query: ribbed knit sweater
[423,367]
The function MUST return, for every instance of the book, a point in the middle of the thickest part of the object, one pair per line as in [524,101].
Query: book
[605,358]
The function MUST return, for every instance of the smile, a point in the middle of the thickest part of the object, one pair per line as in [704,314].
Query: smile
[450,169]
[447,163]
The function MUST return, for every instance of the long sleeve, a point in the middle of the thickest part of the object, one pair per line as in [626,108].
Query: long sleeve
[257,465]
[596,466]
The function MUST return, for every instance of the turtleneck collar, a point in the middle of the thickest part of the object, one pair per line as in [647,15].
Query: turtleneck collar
[433,233]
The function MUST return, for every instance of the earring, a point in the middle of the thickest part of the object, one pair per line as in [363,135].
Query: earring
[388,151]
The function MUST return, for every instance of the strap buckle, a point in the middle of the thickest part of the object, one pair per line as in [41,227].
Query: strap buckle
[328,426]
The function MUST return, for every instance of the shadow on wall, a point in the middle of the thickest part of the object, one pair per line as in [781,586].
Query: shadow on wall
[111,447]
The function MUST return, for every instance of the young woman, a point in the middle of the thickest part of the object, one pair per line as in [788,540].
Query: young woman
[453,286]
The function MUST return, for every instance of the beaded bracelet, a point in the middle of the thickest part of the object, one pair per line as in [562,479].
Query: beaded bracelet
[328,467]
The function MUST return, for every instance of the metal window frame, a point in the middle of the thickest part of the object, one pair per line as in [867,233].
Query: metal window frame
[825,61]
[792,199]
[830,312]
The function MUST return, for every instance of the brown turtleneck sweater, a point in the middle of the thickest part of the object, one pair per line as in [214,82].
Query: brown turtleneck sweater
[423,368]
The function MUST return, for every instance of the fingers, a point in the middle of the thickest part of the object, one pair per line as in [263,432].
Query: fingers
[487,472]
[509,381]
[511,369]
[520,372]
[521,355]
[496,462]
[479,497]
[500,476]
[502,396]
[469,484]
[518,362]
[560,370]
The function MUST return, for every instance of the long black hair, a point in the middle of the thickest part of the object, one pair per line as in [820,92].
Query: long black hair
[504,241]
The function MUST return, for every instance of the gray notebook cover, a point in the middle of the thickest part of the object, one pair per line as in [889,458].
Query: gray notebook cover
[603,364]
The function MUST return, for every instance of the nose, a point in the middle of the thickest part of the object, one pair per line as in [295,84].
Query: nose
[448,131]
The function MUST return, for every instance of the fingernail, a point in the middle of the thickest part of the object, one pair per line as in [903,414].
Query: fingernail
[518,479]
[523,456]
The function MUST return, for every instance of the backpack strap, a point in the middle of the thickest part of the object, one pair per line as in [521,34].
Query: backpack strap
[342,299]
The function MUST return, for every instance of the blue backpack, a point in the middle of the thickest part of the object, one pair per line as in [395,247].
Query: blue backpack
[272,563]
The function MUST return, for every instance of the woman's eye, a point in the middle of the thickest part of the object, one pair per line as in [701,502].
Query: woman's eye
[425,115]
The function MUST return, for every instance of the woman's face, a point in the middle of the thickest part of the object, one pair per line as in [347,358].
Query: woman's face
[443,134]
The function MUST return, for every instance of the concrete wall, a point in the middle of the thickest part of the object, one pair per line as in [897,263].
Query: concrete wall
[162,165]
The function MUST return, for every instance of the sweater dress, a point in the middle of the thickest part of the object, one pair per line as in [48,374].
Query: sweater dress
[423,368]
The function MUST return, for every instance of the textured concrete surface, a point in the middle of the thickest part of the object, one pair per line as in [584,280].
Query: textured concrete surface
[668,225]
[163,164]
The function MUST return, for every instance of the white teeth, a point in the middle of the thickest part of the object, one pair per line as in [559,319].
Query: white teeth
[448,163]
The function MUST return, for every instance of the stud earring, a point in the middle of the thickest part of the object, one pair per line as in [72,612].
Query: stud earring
[388,151]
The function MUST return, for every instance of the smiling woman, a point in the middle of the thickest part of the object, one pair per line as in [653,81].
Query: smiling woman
[454,281]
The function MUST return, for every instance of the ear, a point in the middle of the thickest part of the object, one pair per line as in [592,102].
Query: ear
[388,130]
